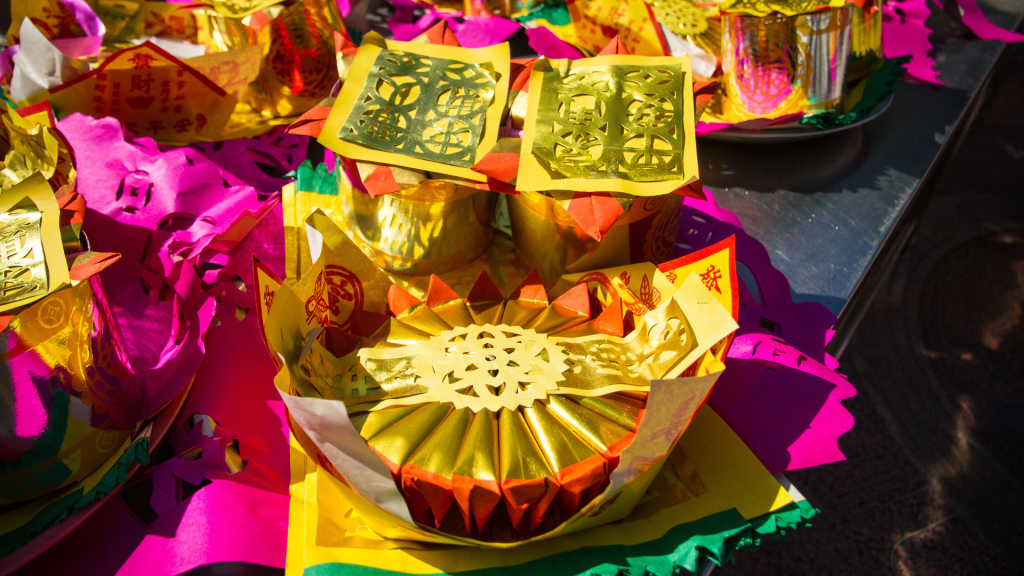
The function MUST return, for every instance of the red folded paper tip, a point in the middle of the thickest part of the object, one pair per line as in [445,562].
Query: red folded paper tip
[576,299]
[531,289]
[595,212]
[381,181]
[439,293]
[484,290]
[399,300]
[610,321]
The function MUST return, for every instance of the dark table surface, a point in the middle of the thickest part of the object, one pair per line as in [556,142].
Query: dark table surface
[833,212]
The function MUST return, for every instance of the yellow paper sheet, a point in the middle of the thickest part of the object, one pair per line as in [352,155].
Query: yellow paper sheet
[534,175]
[14,242]
[733,476]
[373,44]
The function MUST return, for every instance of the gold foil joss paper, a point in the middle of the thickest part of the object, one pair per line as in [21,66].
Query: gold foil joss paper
[500,418]
[421,106]
[611,123]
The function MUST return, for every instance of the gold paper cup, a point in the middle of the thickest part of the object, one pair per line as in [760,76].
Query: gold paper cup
[430,228]
[777,65]
[550,240]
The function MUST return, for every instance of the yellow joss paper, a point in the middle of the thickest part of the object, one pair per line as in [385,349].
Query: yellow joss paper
[422,106]
[154,93]
[32,262]
[766,7]
[610,124]
[712,468]
[598,22]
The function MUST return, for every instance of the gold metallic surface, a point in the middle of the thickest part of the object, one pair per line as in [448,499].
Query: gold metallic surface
[376,422]
[429,108]
[777,65]
[599,433]
[612,122]
[519,456]
[439,454]
[617,408]
[22,262]
[865,43]
[429,228]
[400,441]
[560,445]
[300,67]
[549,239]
[478,457]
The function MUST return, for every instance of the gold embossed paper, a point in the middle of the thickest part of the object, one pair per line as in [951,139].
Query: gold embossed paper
[612,123]
[32,262]
[422,106]
[500,417]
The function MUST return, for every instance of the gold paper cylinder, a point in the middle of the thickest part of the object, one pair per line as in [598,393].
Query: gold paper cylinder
[300,66]
[551,241]
[777,65]
[429,228]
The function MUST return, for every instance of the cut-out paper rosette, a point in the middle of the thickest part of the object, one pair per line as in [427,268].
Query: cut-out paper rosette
[492,419]
[177,73]
[72,399]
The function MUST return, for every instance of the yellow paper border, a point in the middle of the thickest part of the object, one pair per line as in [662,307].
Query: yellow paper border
[373,43]
[734,477]
[535,177]
[38,190]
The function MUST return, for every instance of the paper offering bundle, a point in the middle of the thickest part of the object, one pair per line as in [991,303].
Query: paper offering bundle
[487,418]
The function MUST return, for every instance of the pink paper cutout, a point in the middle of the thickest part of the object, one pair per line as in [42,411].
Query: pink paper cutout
[975,19]
[904,33]
[546,43]
[786,406]
[165,212]
[470,31]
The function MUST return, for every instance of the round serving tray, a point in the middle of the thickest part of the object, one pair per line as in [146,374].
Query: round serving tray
[792,133]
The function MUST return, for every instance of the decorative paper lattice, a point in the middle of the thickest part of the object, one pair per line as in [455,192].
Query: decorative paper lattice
[22,264]
[479,367]
[680,16]
[430,108]
[616,121]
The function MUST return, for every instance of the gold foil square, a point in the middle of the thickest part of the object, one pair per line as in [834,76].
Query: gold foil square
[22,264]
[32,262]
[426,107]
[618,121]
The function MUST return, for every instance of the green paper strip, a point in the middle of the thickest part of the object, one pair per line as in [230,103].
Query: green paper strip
[557,13]
[686,547]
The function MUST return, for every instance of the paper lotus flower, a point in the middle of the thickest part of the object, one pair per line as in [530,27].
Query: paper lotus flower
[499,418]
